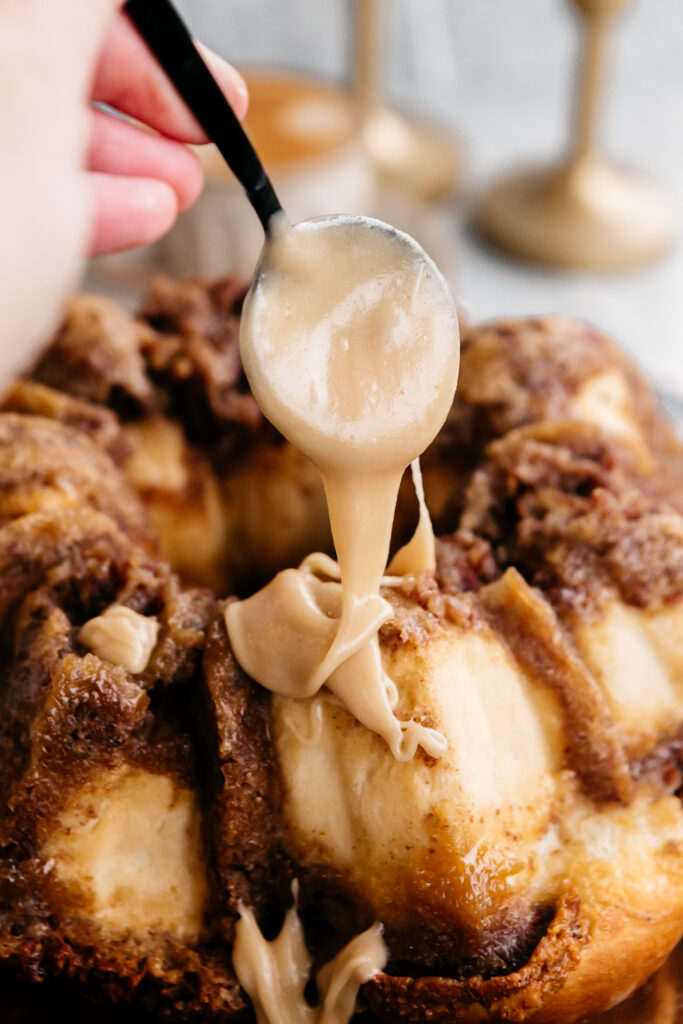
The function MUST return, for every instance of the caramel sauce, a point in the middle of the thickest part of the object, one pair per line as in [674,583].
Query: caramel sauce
[275,974]
[293,120]
[121,636]
[350,342]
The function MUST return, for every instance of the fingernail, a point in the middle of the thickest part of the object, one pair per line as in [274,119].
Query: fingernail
[241,96]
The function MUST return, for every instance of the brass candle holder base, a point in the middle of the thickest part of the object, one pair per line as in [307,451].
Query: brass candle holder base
[412,156]
[587,215]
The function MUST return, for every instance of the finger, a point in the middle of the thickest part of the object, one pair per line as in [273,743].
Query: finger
[129,79]
[128,212]
[118,147]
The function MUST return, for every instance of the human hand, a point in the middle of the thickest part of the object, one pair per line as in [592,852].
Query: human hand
[139,180]
[75,180]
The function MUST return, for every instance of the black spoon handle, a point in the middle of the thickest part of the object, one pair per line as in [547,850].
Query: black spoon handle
[166,35]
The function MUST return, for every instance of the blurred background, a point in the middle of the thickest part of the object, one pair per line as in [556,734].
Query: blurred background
[498,80]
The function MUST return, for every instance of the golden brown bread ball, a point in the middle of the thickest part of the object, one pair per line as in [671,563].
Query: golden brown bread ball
[107,875]
[220,482]
[535,872]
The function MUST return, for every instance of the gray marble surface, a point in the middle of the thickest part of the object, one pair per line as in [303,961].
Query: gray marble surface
[498,73]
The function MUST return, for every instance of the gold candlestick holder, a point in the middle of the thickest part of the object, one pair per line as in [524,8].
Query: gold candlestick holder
[586,213]
[413,156]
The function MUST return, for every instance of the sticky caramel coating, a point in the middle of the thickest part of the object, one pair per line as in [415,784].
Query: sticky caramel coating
[107,867]
[557,484]
[244,501]
[514,373]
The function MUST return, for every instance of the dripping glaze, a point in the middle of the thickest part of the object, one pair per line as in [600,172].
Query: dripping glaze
[349,340]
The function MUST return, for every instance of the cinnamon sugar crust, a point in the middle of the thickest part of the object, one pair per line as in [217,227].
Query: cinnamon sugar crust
[555,514]
[184,344]
[517,372]
[194,359]
[96,356]
[47,466]
[531,631]
[509,997]
[514,373]
[244,794]
[106,862]
[567,507]
[100,424]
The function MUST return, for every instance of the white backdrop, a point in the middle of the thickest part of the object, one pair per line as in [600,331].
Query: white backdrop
[499,72]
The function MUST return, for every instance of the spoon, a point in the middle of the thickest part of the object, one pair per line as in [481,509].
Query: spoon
[167,36]
[349,341]
[169,39]
[348,335]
